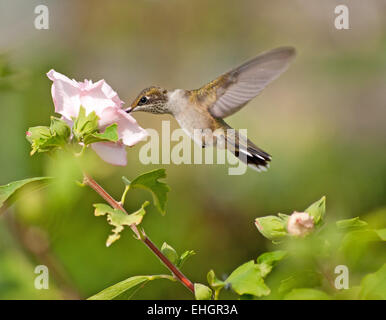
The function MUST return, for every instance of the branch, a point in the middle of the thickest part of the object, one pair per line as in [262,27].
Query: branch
[87,180]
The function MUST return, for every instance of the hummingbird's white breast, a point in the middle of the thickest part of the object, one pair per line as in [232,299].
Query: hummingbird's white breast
[189,116]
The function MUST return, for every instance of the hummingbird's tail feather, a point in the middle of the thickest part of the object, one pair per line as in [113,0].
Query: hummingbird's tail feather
[246,151]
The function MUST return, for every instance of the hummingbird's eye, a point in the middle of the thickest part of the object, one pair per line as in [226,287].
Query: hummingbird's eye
[142,101]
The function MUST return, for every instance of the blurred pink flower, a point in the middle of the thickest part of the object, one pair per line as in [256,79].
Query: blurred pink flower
[68,95]
[300,224]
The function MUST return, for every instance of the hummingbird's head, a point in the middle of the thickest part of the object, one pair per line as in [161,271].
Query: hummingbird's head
[152,99]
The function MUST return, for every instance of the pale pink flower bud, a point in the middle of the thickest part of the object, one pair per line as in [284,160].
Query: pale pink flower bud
[300,224]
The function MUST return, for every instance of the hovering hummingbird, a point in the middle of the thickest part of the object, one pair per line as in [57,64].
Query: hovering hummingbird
[205,108]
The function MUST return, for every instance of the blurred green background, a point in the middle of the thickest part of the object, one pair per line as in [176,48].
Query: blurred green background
[323,121]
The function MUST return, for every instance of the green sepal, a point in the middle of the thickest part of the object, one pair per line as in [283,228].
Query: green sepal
[271,227]
[85,125]
[317,210]
[44,139]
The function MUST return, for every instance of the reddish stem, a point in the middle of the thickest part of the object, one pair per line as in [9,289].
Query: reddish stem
[140,235]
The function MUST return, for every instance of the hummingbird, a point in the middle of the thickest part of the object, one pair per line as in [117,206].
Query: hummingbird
[204,109]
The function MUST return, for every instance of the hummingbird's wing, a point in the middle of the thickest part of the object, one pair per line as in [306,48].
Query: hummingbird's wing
[235,88]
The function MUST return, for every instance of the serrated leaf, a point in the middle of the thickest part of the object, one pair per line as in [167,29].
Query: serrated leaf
[110,134]
[119,219]
[246,279]
[185,256]
[6,191]
[268,260]
[307,294]
[149,181]
[373,286]
[202,292]
[271,227]
[169,252]
[354,223]
[85,125]
[317,210]
[126,288]
[101,209]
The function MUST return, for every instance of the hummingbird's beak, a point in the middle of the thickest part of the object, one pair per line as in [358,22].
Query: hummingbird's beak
[129,109]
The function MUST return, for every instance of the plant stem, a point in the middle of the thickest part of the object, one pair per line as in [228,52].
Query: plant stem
[124,195]
[87,180]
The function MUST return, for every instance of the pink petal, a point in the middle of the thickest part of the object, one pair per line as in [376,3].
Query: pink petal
[114,153]
[98,96]
[65,94]
[128,129]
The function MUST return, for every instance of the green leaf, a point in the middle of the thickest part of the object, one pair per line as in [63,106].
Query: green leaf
[354,223]
[355,243]
[85,125]
[119,219]
[271,227]
[202,292]
[149,181]
[9,189]
[303,278]
[348,294]
[373,286]
[185,256]
[317,210]
[247,279]
[307,294]
[268,260]
[213,281]
[110,134]
[126,288]
[381,233]
[169,252]
[172,255]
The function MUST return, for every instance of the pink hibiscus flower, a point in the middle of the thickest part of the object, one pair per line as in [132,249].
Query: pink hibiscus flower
[69,95]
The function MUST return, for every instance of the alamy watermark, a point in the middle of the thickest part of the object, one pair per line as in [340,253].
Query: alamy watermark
[42,20]
[42,280]
[342,18]
[342,280]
